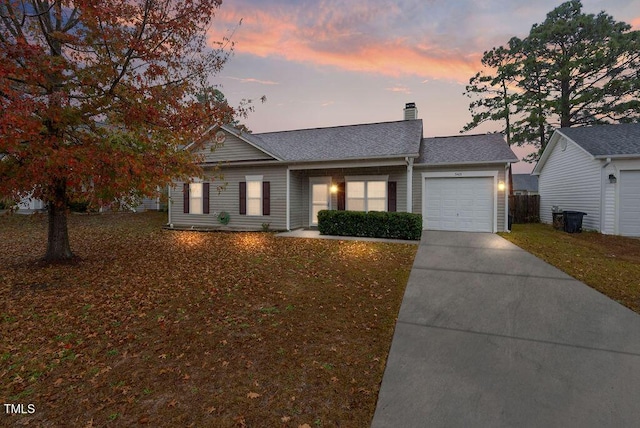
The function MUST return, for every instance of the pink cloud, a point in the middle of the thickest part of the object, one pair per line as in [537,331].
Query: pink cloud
[252,80]
[399,88]
[327,40]
[635,23]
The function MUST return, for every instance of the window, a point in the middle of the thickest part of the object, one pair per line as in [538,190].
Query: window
[254,197]
[195,198]
[355,196]
[366,194]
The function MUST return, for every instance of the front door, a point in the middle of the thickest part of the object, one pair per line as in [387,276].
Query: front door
[320,197]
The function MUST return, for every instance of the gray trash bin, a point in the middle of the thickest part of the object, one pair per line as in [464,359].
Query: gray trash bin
[573,221]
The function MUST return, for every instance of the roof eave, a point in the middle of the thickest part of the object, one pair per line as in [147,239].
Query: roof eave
[485,162]
[351,159]
[624,156]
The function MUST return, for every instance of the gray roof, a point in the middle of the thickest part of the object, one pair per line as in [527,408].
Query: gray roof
[526,182]
[607,140]
[461,149]
[374,140]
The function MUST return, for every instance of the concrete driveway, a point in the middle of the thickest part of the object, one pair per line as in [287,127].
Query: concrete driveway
[490,336]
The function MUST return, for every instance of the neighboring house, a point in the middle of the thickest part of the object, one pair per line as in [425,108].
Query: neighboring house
[30,205]
[595,170]
[284,178]
[524,184]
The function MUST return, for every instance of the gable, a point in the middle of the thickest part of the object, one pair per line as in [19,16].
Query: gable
[233,149]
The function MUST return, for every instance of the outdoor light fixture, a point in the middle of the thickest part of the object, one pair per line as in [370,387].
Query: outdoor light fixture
[334,188]
[612,178]
[501,186]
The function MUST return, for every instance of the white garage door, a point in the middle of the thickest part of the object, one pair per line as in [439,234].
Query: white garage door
[629,203]
[460,204]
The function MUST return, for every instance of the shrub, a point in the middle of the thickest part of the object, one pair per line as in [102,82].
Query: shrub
[374,224]
[79,206]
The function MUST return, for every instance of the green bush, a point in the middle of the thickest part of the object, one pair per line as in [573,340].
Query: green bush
[79,206]
[374,224]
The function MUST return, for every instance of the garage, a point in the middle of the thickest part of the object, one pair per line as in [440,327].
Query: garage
[629,203]
[463,204]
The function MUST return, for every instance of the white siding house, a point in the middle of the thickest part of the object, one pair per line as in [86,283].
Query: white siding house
[595,170]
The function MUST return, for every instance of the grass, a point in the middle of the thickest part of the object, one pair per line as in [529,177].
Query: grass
[165,328]
[607,263]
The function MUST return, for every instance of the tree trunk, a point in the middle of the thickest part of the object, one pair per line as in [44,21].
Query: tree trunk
[565,103]
[58,248]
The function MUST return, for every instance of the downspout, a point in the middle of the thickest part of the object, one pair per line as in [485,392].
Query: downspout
[602,199]
[409,184]
[288,206]
[507,191]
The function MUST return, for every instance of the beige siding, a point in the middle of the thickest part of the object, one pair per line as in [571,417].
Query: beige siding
[571,179]
[395,173]
[296,198]
[233,149]
[227,199]
[418,184]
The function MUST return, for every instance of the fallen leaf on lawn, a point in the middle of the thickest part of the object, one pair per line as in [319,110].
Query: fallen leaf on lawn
[172,403]
[211,409]
[285,418]
[58,381]
[304,426]
[253,395]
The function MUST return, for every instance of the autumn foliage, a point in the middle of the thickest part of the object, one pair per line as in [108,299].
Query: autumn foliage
[97,99]
[163,328]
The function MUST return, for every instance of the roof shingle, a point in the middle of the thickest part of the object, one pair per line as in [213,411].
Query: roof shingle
[374,140]
[606,140]
[526,182]
[463,149]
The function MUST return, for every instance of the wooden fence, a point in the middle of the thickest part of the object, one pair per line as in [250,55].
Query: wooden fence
[524,208]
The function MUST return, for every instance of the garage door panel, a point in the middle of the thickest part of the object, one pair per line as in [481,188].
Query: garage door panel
[629,215]
[459,204]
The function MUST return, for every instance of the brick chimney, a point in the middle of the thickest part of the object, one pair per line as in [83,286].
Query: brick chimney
[410,111]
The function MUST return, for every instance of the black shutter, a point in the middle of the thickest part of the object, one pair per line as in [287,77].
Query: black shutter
[341,197]
[266,198]
[392,196]
[205,198]
[243,197]
[185,197]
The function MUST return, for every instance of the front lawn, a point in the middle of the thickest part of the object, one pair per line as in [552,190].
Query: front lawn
[166,328]
[610,264]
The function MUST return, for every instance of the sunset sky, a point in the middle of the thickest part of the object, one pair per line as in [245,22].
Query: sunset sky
[338,62]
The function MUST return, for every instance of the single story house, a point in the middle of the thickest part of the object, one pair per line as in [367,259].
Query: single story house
[282,179]
[524,184]
[596,170]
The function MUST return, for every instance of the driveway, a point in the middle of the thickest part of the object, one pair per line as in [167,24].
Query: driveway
[489,335]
